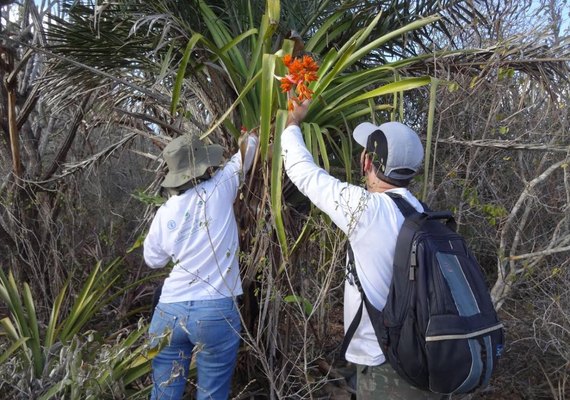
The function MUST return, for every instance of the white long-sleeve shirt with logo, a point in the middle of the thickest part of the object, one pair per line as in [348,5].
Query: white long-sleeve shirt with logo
[197,230]
[370,220]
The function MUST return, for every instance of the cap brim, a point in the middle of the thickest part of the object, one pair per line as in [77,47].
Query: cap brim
[174,180]
[362,131]
[213,156]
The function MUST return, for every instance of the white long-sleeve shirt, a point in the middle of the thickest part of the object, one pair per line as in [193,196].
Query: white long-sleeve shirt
[370,220]
[197,230]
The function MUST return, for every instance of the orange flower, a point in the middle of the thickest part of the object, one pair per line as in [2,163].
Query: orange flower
[302,71]
[287,58]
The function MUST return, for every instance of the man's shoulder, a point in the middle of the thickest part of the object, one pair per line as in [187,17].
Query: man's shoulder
[230,169]
[170,206]
[406,195]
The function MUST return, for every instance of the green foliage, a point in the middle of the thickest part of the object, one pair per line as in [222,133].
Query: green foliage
[305,304]
[150,200]
[506,73]
[71,361]
[276,193]
[236,47]
[92,368]
[21,327]
[493,213]
[431,113]
[343,94]
[131,52]
[503,130]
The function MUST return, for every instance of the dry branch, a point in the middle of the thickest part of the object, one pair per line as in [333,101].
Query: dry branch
[72,168]
[64,149]
[540,253]
[505,266]
[505,144]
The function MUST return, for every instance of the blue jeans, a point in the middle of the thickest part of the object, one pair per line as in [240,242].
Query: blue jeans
[209,327]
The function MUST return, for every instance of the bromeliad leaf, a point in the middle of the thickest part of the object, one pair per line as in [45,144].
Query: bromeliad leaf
[301,301]
[148,199]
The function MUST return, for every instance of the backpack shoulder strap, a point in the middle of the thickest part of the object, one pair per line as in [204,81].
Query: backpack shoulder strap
[405,208]
[351,329]
[413,221]
[351,274]
[401,258]
[374,314]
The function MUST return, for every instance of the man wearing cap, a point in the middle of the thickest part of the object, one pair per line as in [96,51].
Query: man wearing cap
[391,157]
[196,230]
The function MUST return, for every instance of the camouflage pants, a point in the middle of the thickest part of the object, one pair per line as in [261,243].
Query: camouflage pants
[381,382]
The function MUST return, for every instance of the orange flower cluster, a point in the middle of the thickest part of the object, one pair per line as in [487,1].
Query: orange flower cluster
[302,71]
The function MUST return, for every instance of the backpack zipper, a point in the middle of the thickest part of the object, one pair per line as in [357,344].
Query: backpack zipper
[464,336]
[413,261]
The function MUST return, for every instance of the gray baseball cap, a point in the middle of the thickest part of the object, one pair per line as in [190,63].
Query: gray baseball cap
[187,157]
[398,149]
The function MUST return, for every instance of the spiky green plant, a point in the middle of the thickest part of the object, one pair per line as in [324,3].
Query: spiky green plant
[60,354]
[209,67]
[343,95]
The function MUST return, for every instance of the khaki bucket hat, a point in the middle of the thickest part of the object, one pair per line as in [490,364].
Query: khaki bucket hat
[187,157]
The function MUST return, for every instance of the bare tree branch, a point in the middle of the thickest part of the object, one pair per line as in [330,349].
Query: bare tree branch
[507,145]
[72,168]
[64,149]
[504,282]
[540,253]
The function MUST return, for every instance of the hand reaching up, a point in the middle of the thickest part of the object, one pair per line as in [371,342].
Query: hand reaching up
[298,113]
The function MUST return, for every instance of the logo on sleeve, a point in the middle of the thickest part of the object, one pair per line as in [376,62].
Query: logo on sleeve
[171,224]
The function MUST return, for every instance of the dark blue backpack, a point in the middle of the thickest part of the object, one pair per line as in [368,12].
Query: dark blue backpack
[439,329]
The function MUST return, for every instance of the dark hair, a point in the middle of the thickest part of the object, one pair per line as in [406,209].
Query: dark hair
[377,145]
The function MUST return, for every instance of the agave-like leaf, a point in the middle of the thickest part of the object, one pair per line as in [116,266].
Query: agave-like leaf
[394,87]
[10,294]
[10,330]
[54,390]
[431,114]
[276,185]
[303,235]
[130,364]
[52,326]
[250,85]
[182,71]
[305,304]
[318,134]
[16,344]
[337,63]
[362,51]
[92,297]
[321,36]
[333,110]
[221,35]
[34,340]
[273,8]
[267,94]
[22,326]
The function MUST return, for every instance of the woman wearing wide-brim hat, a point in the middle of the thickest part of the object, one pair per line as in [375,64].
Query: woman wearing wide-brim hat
[196,230]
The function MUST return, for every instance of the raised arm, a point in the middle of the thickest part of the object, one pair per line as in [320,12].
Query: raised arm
[341,201]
